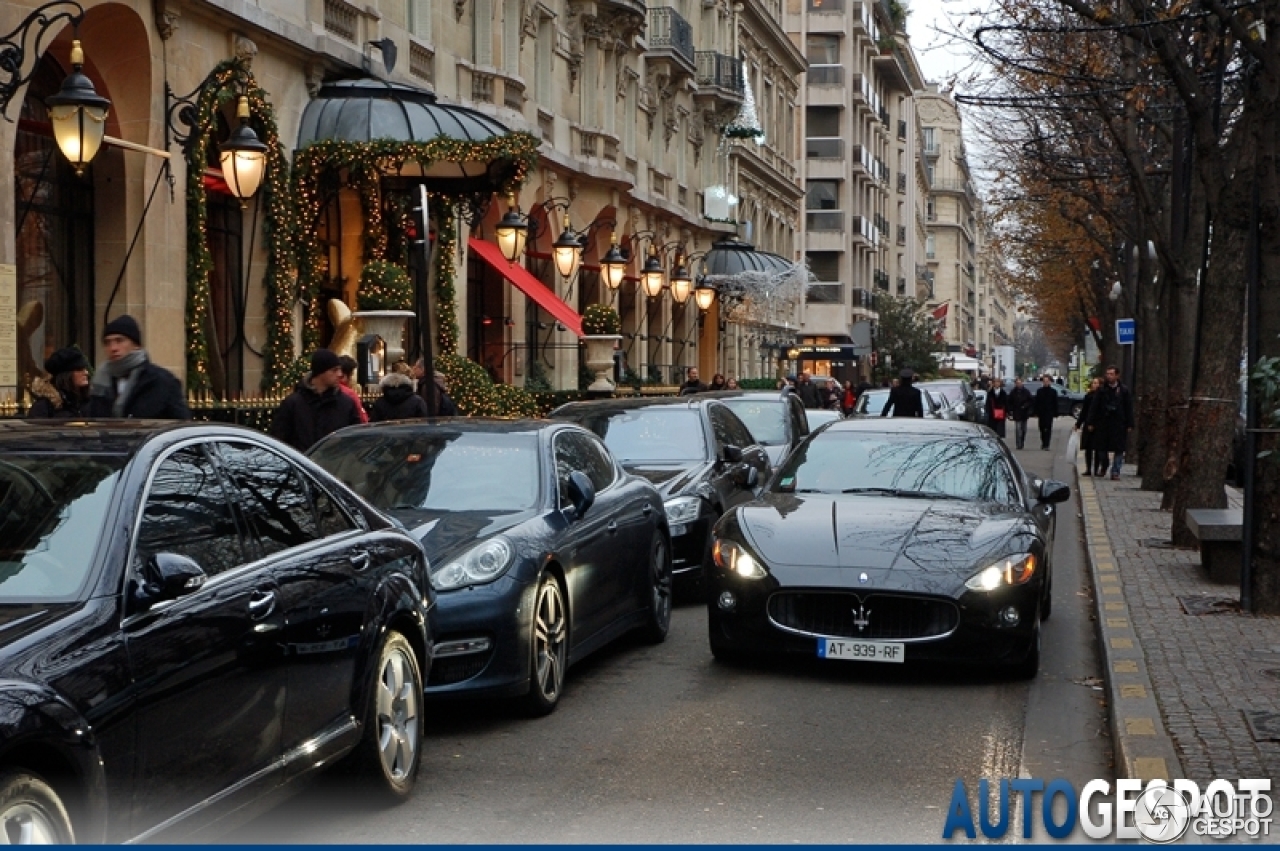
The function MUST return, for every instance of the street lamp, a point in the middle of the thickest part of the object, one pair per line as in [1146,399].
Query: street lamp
[512,231]
[651,276]
[704,295]
[613,264]
[567,250]
[243,157]
[681,282]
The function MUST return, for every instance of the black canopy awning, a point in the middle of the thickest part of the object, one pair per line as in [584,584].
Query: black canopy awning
[369,109]
[729,257]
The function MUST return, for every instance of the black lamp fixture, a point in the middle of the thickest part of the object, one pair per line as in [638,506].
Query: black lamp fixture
[77,112]
[566,251]
[512,231]
[613,264]
[681,281]
[243,157]
[652,276]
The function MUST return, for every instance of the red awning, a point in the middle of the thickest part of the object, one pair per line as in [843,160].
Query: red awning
[528,284]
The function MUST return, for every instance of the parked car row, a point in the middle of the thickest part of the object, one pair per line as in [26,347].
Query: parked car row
[194,617]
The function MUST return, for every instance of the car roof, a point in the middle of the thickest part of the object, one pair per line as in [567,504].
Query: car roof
[111,437]
[489,425]
[909,425]
[632,404]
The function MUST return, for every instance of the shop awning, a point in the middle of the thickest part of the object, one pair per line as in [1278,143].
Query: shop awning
[729,257]
[527,284]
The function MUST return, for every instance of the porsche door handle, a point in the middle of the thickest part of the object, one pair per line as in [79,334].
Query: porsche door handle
[612,527]
[261,604]
[647,509]
[359,560]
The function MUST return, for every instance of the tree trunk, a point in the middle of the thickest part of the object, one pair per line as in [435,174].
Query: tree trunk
[1204,450]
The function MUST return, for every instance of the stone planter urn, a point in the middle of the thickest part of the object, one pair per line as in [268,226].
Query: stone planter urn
[599,358]
[390,325]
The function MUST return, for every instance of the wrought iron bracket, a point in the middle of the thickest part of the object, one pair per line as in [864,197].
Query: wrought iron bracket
[14,46]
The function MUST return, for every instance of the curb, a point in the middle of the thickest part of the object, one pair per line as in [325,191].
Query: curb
[1143,747]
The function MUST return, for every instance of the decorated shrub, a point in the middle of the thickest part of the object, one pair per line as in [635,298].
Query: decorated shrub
[384,286]
[476,395]
[600,319]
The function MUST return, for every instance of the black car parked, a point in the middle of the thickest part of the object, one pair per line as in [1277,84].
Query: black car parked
[889,541]
[959,396]
[542,550]
[778,421]
[191,617]
[702,458]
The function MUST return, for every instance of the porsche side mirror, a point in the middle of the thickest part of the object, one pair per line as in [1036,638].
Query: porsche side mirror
[168,576]
[1052,491]
[749,478]
[581,493]
[732,454]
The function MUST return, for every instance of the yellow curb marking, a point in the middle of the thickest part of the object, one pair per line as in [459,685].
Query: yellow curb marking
[1112,589]
[1114,606]
[1122,644]
[1118,623]
[1110,577]
[1126,666]
[1149,768]
[1136,692]
[1139,727]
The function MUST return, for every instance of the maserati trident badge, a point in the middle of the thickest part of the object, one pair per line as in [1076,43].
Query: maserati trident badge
[861,617]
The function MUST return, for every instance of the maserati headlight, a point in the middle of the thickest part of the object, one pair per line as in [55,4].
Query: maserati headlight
[480,564]
[683,509]
[1014,570]
[735,559]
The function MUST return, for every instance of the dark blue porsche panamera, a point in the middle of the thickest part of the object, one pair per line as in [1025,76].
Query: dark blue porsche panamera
[542,548]
[889,541]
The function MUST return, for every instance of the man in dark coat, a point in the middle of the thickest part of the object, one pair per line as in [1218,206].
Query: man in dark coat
[129,385]
[399,400]
[317,407]
[1020,405]
[1046,409]
[1111,420]
[810,395]
[997,406]
[905,399]
[692,384]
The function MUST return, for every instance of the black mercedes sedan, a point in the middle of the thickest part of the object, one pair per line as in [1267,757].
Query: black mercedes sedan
[890,541]
[192,617]
[778,421]
[542,549]
[702,458]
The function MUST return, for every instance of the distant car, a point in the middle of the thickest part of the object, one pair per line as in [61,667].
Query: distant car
[698,453]
[938,406]
[1070,402]
[195,616]
[542,549]
[777,421]
[959,395]
[889,541]
[871,403]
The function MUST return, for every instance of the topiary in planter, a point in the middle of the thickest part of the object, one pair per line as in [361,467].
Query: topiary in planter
[384,286]
[599,319]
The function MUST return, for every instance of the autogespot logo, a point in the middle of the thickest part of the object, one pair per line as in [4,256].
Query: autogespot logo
[1159,811]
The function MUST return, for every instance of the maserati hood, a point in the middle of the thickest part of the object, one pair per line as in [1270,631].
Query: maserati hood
[926,545]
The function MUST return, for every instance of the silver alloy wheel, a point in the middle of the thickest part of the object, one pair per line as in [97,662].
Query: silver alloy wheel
[24,823]
[398,700]
[660,580]
[550,628]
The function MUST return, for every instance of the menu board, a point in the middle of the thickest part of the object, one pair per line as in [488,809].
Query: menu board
[8,326]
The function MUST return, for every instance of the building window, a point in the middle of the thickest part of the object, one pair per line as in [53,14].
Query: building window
[224,236]
[823,50]
[420,19]
[930,143]
[930,247]
[482,33]
[822,195]
[511,36]
[543,53]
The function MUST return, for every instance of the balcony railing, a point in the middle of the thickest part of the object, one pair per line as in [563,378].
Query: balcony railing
[824,148]
[826,75]
[341,18]
[863,299]
[902,129]
[902,181]
[952,185]
[717,69]
[824,220]
[669,30]
[902,234]
[863,227]
[824,293]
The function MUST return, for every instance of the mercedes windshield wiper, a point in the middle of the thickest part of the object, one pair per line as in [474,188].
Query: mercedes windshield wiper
[906,494]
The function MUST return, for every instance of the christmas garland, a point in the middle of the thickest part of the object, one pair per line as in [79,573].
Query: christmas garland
[225,83]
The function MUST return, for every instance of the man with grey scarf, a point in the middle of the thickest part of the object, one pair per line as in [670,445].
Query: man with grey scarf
[129,385]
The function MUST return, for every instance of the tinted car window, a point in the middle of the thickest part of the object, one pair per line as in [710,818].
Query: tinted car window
[273,499]
[332,519]
[872,402]
[187,513]
[52,509]
[666,433]
[766,418]
[581,453]
[970,468]
[739,434]
[720,427]
[437,470]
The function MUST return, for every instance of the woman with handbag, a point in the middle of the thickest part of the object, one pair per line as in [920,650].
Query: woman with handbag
[997,406]
[1091,467]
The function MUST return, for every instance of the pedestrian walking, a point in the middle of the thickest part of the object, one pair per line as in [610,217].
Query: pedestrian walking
[129,385]
[1046,410]
[692,383]
[904,399]
[399,400]
[65,393]
[810,395]
[997,406]
[848,399]
[1111,420]
[1091,465]
[1020,406]
[349,367]
[445,406]
[317,407]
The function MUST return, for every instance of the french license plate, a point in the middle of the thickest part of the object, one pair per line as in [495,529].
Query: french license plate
[861,651]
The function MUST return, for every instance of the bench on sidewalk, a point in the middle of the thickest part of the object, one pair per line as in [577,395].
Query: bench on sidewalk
[1219,531]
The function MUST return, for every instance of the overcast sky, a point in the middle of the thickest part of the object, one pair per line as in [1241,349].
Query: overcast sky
[930,26]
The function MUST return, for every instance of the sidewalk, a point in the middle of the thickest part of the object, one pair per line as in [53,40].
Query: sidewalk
[1193,683]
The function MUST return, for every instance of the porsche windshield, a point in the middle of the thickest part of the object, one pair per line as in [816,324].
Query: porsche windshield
[902,465]
[52,508]
[438,470]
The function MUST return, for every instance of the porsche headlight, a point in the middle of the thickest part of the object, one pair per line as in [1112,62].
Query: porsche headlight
[683,509]
[735,559]
[1014,570]
[480,564]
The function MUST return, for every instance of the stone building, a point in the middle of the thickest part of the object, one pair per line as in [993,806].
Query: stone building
[630,102]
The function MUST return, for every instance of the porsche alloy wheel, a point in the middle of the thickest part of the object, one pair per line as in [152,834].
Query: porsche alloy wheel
[550,647]
[31,813]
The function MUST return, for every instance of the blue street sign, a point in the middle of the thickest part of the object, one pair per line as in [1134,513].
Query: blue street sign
[1126,331]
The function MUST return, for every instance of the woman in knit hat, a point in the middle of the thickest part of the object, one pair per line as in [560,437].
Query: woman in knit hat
[65,393]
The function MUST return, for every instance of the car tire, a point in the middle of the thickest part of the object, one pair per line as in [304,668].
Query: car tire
[548,647]
[1046,603]
[1030,664]
[658,578]
[721,650]
[391,747]
[31,813]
